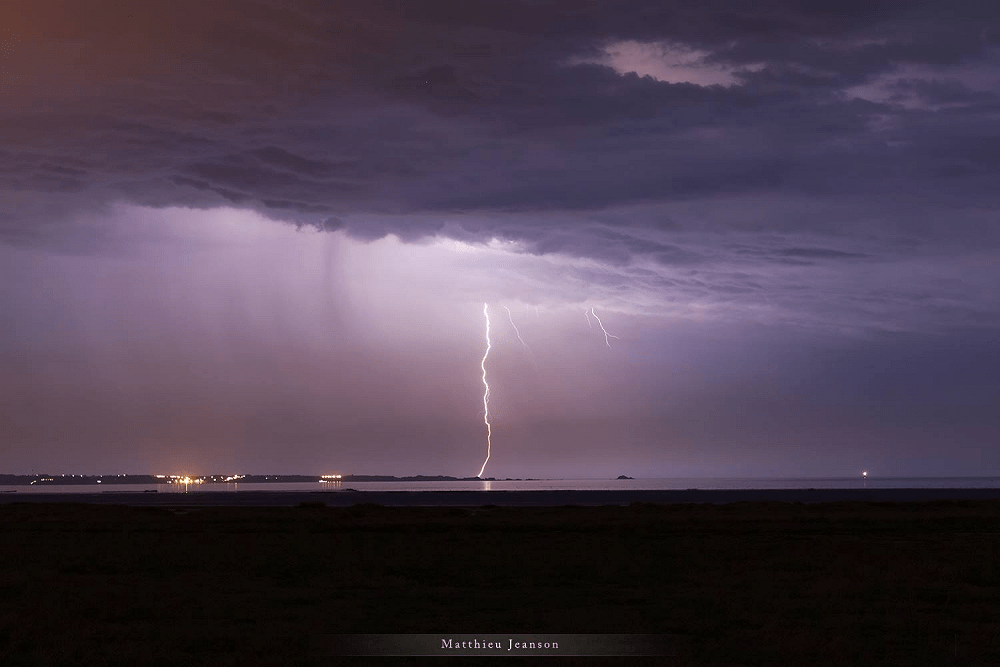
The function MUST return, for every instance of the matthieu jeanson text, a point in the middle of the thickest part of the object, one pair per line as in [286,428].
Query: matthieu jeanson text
[509,644]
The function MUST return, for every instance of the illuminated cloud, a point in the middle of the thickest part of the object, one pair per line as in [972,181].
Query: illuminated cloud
[917,87]
[666,62]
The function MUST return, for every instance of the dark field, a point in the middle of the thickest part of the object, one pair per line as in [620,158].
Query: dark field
[846,583]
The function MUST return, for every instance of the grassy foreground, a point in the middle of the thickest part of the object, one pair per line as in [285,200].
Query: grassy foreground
[749,583]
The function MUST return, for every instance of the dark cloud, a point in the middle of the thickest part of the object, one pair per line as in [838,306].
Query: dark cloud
[850,137]
[302,109]
[818,253]
[938,91]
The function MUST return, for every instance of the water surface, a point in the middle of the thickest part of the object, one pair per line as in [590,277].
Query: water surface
[675,483]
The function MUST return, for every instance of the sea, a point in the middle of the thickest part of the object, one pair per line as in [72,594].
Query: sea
[670,483]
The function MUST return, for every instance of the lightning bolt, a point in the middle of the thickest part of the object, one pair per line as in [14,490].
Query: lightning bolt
[511,318]
[589,324]
[606,334]
[486,393]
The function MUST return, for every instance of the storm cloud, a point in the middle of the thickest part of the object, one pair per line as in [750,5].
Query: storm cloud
[797,173]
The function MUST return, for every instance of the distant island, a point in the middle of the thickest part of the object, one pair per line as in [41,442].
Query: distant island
[59,480]
[623,477]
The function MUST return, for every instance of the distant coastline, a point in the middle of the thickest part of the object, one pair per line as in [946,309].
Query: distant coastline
[60,480]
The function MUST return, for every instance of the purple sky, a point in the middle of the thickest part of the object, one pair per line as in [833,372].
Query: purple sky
[257,236]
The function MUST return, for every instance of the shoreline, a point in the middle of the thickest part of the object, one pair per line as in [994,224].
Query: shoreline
[540,498]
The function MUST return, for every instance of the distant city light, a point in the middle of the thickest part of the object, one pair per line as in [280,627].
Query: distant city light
[178,479]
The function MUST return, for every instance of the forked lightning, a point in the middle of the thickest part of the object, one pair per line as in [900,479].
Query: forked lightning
[606,334]
[511,318]
[486,393]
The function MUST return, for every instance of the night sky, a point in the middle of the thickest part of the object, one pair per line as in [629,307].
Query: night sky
[257,236]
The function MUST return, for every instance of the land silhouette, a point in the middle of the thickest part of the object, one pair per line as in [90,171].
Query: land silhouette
[860,583]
